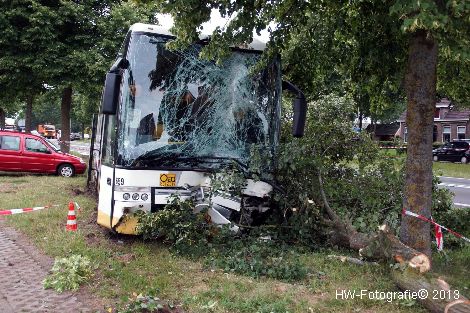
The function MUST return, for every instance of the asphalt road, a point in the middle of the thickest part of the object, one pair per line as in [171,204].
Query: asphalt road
[460,187]
[81,147]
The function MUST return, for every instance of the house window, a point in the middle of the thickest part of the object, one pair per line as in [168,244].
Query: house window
[461,132]
[446,134]
[405,135]
[436,113]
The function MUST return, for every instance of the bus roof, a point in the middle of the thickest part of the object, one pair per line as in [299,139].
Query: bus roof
[256,44]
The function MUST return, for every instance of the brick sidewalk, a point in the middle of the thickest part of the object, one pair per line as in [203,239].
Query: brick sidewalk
[21,279]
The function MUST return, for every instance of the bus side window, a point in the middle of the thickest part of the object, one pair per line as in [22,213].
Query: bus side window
[109,135]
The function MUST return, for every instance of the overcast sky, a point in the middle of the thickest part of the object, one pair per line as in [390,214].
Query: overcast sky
[216,20]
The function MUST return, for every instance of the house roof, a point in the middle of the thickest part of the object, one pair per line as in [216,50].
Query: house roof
[458,115]
[383,129]
[444,103]
[454,113]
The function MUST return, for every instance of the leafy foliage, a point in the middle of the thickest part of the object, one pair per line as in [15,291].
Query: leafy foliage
[69,273]
[192,235]
[361,183]
[148,304]
[176,224]
[48,45]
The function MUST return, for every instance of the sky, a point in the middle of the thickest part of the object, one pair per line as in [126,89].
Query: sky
[216,20]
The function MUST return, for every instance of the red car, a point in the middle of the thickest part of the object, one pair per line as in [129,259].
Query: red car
[23,152]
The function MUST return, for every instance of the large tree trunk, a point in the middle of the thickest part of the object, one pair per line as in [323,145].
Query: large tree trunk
[28,116]
[65,107]
[2,118]
[420,85]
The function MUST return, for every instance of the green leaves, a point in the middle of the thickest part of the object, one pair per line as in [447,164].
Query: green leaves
[177,225]
[420,15]
[69,273]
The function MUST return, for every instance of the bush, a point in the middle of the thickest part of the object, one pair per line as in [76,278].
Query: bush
[359,183]
[69,273]
[178,225]
[191,235]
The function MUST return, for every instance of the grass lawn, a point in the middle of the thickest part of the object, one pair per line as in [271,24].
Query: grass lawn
[451,169]
[439,168]
[127,265]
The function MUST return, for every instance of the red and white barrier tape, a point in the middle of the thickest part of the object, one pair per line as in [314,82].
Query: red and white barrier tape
[17,211]
[437,226]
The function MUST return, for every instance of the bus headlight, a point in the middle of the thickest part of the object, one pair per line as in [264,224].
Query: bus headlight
[126,196]
[144,197]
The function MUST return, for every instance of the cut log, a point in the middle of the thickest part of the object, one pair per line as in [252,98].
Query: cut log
[434,293]
[386,246]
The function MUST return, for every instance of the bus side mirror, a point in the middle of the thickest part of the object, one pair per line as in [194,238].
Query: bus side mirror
[299,106]
[111,93]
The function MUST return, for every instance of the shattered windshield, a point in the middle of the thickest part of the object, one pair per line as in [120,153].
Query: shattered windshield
[181,111]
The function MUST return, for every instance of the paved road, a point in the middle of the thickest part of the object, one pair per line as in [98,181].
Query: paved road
[81,147]
[460,187]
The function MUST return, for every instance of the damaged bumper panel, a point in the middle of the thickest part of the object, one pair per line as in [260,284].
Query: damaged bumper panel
[223,208]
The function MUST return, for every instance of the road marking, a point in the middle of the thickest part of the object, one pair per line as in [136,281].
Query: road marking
[454,185]
[453,177]
[462,204]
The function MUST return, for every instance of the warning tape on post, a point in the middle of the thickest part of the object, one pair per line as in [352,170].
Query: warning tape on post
[425,219]
[24,210]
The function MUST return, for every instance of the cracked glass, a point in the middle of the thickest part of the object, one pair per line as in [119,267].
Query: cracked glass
[180,111]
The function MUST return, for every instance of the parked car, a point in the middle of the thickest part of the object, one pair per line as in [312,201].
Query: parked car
[75,136]
[23,152]
[455,151]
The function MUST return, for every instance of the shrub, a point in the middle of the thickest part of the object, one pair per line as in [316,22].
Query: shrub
[176,224]
[360,184]
[69,273]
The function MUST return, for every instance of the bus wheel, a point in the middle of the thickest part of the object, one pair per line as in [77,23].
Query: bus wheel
[66,170]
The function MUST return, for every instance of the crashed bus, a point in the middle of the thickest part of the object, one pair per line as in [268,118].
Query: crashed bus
[169,121]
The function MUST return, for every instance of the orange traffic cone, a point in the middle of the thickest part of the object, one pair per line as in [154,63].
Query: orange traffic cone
[71,218]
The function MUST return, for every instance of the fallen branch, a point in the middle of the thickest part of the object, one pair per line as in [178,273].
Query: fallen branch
[352,260]
[410,275]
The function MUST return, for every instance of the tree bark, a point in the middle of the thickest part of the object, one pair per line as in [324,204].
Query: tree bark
[386,246]
[28,116]
[2,118]
[65,107]
[420,85]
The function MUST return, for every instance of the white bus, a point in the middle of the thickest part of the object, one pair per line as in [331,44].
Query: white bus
[170,120]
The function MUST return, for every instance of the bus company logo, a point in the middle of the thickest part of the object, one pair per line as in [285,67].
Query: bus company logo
[167,180]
